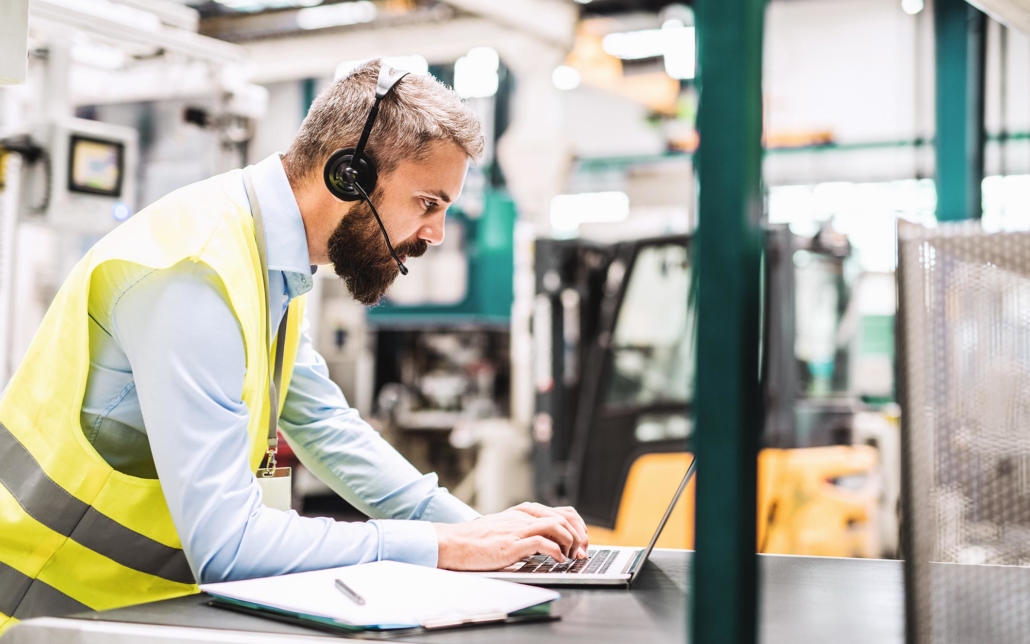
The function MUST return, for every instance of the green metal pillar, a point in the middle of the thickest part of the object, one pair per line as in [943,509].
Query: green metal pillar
[960,39]
[308,92]
[727,396]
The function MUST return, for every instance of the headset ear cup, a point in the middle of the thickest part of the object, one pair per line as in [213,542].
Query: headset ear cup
[336,180]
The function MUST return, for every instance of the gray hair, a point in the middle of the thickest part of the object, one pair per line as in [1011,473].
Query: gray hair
[418,112]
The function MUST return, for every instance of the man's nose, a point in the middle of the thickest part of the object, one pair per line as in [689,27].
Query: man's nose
[433,231]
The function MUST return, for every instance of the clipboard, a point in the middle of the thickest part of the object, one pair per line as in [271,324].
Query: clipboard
[394,596]
[540,613]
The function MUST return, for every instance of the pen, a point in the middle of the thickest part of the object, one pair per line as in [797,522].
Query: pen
[349,592]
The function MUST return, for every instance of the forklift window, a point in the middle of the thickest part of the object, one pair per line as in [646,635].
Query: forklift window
[653,343]
[820,300]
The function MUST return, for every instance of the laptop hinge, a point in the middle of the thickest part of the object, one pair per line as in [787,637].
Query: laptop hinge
[632,563]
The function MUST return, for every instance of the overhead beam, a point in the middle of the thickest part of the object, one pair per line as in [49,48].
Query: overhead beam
[97,20]
[317,54]
[152,81]
[960,46]
[314,55]
[1014,14]
[248,27]
[552,21]
[727,260]
[169,12]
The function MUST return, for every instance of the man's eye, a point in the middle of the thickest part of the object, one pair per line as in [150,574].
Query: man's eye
[428,204]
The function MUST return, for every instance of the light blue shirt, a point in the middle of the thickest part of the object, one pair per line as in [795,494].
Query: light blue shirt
[164,399]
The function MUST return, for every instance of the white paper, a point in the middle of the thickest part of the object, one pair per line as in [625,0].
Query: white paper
[397,595]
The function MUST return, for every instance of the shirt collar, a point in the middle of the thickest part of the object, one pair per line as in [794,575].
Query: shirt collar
[284,228]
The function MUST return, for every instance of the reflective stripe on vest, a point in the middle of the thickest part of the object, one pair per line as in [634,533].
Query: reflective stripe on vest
[75,534]
[46,502]
[23,597]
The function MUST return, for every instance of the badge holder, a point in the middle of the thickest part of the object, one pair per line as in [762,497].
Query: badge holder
[276,483]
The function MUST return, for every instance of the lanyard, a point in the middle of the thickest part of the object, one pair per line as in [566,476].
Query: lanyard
[275,382]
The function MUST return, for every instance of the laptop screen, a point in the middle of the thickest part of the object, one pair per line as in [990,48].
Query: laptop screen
[665,519]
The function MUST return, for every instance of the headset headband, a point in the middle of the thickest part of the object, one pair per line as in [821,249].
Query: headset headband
[388,77]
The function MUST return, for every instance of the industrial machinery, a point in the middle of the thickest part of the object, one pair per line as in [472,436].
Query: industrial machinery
[64,182]
[430,365]
[75,174]
[614,336]
[442,360]
[67,181]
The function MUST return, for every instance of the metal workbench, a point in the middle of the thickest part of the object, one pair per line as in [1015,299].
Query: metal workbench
[803,600]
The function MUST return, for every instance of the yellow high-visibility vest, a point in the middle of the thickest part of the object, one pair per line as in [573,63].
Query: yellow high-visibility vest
[75,534]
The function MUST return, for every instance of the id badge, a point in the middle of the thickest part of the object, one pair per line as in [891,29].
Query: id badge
[276,487]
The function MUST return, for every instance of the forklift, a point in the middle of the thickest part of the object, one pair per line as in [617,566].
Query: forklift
[614,334]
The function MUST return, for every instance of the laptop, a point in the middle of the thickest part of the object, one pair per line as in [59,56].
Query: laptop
[604,566]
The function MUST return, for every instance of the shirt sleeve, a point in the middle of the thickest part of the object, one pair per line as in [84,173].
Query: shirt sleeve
[352,458]
[187,355]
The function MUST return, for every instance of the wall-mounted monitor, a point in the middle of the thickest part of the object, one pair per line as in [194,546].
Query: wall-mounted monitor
[95,166]
[90,179]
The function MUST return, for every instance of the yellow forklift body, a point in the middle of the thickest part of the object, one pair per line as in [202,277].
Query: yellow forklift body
[811,501]
[653,479]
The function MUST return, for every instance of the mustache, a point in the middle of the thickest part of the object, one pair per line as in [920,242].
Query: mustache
[414,248]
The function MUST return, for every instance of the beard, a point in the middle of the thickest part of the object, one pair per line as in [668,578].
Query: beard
[361,258]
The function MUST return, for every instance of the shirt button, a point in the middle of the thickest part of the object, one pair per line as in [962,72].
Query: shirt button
[286,298]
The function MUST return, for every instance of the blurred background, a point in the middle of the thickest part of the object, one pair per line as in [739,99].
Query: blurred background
[545,351]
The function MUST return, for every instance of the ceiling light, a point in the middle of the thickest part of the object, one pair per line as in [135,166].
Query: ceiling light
[569,211]
[336,15]
[262,5]
[631,45]
[911,7]
[680,52]
[475,73]
[673,41]
[565,77]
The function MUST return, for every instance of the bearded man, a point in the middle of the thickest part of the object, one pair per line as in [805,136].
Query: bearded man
[131,436]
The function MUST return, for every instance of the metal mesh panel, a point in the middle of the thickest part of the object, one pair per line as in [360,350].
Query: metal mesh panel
[964,350]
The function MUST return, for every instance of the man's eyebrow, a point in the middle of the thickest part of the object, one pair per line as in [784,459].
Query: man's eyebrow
[439,194]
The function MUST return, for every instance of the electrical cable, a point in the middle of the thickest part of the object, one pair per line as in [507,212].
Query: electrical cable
[30,153]
[48,174]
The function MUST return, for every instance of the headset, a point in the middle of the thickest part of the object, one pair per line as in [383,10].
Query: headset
[350,174]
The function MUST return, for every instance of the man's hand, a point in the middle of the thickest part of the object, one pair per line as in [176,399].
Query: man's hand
[497,540]
[574,523]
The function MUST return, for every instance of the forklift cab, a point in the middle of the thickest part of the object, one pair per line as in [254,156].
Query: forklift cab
[629,438]
[617,401]
[615,335]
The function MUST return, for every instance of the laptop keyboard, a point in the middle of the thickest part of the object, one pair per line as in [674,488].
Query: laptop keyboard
[597,562]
